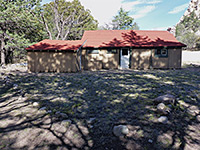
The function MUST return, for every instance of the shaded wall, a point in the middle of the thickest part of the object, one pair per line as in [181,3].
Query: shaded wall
[69,61]
[140,58]
[145,58]
[52,62]
[103,60]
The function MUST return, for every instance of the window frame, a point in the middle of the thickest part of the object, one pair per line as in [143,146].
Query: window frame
[112,51]
[161,52]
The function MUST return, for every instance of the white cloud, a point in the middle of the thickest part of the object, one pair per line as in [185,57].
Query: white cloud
[178,9]
[104,10]
[154,2]
[133,4]
[143,11]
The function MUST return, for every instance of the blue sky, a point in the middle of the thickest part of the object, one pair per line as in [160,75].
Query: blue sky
[149,14]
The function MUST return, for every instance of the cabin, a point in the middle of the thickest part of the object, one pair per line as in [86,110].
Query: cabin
[107,49]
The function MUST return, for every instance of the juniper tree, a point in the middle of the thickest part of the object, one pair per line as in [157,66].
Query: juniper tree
[17,25]
[66,20]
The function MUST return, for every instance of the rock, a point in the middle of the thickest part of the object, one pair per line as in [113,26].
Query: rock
[193,110]
[49,111]
[163,109]
[15,86]
[165,139]
[91,120]
[163,119]
[57,113]
[120,130]
[43,108]
[150,141]
[66,122]
[63,115]
[166,99]
[90,126]
[198,118]
[35,104]
[22,98]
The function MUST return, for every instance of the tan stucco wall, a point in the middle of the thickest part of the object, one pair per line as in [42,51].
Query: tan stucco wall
[100,61]
[52,62]
[68,61]
[176,58]
[141,59]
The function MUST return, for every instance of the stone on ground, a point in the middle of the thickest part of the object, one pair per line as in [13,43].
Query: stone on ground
[198,118]
[163,119]
[66,122]
[166,99]
[91,120]
[120,130]
[165,140]
[35,104]
[43,108]
[163,109]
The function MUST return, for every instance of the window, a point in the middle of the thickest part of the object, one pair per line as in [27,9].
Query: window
[111,51]
[93,51]
[161,52]
[124,51]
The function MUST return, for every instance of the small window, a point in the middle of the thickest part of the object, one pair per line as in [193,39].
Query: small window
[161,52]
[93,51]
[124,52]
[111,51]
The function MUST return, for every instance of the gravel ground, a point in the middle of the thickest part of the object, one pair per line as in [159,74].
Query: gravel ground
[79,110]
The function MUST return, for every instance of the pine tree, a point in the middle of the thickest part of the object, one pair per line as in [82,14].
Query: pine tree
[16,25]
[186,30]
[122,21]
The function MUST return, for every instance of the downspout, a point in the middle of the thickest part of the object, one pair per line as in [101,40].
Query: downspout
[151,60]
[80,49]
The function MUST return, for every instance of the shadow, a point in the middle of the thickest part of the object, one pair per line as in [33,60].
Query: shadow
[49,45]
[111,98]
[139,39]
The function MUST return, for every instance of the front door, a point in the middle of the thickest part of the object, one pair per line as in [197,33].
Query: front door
[125,54]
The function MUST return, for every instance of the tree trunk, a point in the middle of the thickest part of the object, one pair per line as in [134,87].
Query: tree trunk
[3,56]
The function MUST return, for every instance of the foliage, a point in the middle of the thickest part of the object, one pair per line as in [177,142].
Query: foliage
[122,21]
[66,20]
[17,26]
[187,29]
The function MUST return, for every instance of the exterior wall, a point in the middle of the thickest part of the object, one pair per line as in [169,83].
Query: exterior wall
[69,62]
[175,58]
[172,61]
[145,58]
[52,62]
[100,61]
[140,58]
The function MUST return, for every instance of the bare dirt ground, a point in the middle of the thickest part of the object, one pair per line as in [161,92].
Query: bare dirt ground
[79,110]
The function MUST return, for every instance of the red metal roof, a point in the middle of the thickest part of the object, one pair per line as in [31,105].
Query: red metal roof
[129,38]
[56,45]
[112,38]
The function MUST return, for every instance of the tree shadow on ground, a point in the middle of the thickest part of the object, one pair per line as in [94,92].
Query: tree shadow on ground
[79,111]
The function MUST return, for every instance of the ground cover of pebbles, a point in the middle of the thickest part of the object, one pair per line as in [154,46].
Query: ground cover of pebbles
[82,110]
